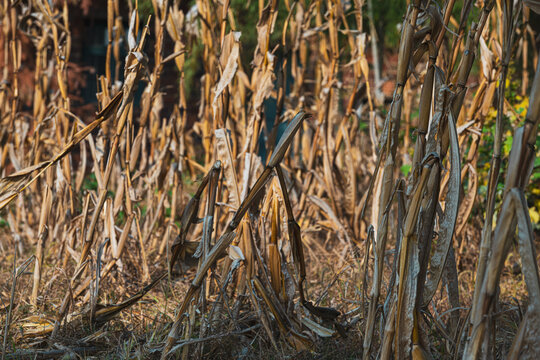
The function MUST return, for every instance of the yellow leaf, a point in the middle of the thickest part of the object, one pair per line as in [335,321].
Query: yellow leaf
[535,215]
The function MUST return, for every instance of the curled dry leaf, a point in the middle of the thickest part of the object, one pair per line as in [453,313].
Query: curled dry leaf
[225,155]
[235,253]
[230,68]
[487,60]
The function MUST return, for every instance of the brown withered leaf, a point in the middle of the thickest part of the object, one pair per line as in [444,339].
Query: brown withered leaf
[232,41]
[224,154]
[105,313]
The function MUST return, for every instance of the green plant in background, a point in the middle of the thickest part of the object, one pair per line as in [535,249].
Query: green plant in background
[512,120]
[90,182]
[145,9]
[192,67]
[387,15]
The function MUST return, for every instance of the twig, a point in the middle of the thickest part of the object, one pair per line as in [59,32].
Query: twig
[47,354]
[213,337]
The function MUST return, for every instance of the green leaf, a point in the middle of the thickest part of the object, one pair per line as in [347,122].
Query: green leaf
[405,169]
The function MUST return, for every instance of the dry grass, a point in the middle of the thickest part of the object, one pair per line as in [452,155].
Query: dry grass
[139,234]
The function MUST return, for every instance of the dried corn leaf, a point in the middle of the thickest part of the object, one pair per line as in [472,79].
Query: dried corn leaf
[448,221]
[527,252]
[235,253]
[487,60]
[230,69]
[35,326]
[105,313]
[318,329]
[224,154]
